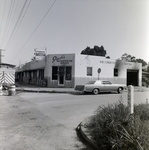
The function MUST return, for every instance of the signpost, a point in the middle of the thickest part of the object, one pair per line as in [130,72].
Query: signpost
[99,70]
[131,99]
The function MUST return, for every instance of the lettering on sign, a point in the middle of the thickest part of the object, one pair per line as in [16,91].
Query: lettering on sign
[61,60]
[112,62]
[40,53]
[107,62]
[127,63]
[65,61]
[55,58]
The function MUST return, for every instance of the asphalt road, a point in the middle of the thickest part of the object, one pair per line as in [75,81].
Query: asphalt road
[36,121]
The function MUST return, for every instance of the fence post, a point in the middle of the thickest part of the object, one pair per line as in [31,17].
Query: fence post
[131,99]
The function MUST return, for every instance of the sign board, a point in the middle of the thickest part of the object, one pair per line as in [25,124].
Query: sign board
[40,54]
[62,60]
[99,70]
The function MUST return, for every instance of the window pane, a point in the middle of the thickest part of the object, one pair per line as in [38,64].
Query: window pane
[89,71]
[115,72]
[106,82]
[68,73]
[54,73]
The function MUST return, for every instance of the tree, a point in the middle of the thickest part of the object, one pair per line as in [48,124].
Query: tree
[97,51]
[129,58]
[141,61]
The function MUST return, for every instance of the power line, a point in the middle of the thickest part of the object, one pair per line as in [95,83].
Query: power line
[10,13]
[35,29]
[17,27]
[2,16]
[8,18]
[13,14]
[17,21]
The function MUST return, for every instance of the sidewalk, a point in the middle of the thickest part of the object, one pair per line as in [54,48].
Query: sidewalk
[35,88]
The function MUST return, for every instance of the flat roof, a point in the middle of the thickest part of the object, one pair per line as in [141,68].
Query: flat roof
[9,65]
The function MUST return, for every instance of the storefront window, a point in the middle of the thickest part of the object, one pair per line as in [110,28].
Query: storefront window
[54,73]
[89,71]
[35,74]
[68,73]
[115,72]
[41,73]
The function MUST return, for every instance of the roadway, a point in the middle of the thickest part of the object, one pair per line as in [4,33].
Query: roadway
[44,121]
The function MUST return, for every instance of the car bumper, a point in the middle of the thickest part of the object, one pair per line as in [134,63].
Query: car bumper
[79,88]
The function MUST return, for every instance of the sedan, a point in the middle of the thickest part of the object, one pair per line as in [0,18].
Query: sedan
[100,86]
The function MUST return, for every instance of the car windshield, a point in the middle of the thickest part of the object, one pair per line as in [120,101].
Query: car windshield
[90,82]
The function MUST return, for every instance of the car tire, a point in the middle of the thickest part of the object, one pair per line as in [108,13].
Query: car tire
[120,90]
[95,91]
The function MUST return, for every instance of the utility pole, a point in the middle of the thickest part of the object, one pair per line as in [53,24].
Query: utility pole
[1,55]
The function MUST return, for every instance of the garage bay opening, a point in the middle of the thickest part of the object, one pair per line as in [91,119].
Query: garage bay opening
[132,77]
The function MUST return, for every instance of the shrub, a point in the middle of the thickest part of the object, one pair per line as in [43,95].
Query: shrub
[145,81]
[113,128]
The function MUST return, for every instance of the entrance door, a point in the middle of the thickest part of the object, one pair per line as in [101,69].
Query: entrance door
[61,76]
[132,77]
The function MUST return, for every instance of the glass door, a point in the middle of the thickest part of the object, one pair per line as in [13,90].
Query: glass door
[61,76]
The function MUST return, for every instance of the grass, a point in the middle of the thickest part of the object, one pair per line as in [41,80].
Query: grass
[113,128]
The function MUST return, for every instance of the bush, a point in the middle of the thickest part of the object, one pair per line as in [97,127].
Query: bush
[113,128]
[145,81]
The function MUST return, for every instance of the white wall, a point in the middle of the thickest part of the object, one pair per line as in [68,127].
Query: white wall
[107,69]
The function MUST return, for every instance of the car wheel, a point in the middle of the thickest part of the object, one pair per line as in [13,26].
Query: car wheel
[95,91]
[120,90]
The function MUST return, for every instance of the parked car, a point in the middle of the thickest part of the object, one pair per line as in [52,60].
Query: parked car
[100,86]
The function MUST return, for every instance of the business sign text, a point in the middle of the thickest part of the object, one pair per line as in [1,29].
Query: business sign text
[61,59]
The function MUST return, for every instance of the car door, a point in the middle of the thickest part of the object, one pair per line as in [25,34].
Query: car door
[89,86]
[107,86]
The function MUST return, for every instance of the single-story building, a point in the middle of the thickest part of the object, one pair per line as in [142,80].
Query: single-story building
[68,70]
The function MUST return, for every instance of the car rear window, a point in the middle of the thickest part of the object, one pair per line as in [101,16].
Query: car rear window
[91,82]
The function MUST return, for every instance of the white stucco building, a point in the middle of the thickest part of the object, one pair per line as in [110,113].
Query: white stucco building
[68,70]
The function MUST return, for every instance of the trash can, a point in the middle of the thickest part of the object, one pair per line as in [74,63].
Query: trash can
[12,90]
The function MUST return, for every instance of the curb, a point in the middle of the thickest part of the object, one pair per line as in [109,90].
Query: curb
[44,91]
[84,137]
[57,91]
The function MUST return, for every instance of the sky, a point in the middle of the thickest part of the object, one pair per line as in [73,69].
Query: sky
[69,26]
